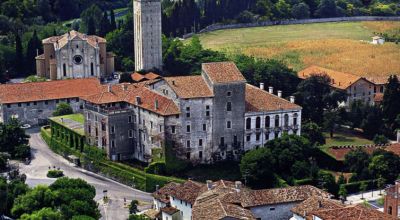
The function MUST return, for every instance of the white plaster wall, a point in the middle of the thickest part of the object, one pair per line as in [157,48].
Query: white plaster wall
[279,212]
[184,207]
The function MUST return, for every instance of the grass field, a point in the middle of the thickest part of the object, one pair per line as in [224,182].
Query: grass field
[344,138]
[340,46]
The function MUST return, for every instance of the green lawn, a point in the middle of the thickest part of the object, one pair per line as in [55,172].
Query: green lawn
[344,138]
[75,117]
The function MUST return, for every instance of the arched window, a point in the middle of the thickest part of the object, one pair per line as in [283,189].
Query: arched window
[248,123]
[258,122]
[286,120]
[64,69]
[91,69]
[276,120]
[295,116]
[267,122]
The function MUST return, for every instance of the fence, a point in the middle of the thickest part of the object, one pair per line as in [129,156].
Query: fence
[215,27]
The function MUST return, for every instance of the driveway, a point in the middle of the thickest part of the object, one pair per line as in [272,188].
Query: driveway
[43,158]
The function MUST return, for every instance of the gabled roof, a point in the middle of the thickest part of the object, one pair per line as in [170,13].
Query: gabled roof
[71,35]
[258,100]
[187,87]
[137,77]
[315,203]
[340,80]
[50,90]
[356,212]
[151,76]
[187,191]
[223,72]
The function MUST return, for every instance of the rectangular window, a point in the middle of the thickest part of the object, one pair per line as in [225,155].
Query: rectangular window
[89,129]
[187,112]
[207,111]
[46,102]
[57,101]
[200,154]
[8,105]
[258,135]
[173,129]
[112,143]
[160,128]
[188,128]
[34,103]
[129,119]
[228,124]
[222,141]
[187,157]
[228,106]
[188,143]
[151,125]
[28,104]
[248,138]
[130,133]
[204,127]
[134,119]
[19,104]
[200,142]
[112,129]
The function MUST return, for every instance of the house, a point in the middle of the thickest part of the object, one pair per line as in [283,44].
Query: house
[353,212]
[357,88]
[75,55]
[230,200]
[314,203]
[33,103]
[392,201]
[377,40]
[137,77]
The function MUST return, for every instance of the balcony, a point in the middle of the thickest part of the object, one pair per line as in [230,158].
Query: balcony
[107,110]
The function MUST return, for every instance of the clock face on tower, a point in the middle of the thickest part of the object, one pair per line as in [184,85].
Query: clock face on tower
[78,59]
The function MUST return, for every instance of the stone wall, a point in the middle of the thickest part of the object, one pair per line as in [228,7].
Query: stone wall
[215,27]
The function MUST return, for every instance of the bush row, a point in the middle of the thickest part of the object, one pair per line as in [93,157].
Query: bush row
[355,186]
[55,173]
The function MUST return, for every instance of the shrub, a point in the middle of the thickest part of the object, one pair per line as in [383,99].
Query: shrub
[354,187]
[55,173]
[156,168]
[380,139]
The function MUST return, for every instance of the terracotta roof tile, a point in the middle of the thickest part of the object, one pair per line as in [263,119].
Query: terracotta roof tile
[223,72]
[50,90]
[189,86]
[315,203]
[169,210]
[151,76]
[137,77]
[356,212]
[187,191]
[260,100]
[63,39]
[340,80]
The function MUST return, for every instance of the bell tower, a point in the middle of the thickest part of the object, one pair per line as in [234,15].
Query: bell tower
[147,28]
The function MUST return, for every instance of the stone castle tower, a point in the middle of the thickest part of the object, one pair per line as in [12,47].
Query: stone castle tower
[147,28]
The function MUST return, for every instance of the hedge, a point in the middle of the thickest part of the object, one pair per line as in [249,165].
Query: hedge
[307,181]
[93,159]
[326,161]
[355,186]
[55,173]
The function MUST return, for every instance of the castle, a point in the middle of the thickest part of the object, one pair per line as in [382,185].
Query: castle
[206,118]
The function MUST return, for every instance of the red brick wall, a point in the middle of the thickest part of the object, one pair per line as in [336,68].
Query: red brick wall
[390,201]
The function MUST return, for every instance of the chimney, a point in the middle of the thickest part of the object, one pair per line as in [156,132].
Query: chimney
[292,99]
[125,87]
[37,52]
[156,104]
[319,204]
[271,90]
[262,86]
[209,184]
[238,186]
[109,88]
[279,93]
[138,100]
[157,187]
[173,82]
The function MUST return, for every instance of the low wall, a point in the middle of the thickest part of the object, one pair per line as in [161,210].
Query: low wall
[215,27]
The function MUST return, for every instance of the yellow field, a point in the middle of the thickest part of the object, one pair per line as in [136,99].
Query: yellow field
[339,46]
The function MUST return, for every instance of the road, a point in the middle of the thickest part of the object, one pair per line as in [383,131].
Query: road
[43,158]
[371,197]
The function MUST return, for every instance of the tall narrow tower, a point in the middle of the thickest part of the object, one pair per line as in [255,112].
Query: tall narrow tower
[147,28]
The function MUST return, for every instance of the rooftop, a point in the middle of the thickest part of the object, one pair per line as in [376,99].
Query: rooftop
[356,212]
[50,90]
[223,72]
[315,203]
[137,77]
[72,35]
[340,80]
[189,86]
[260,100]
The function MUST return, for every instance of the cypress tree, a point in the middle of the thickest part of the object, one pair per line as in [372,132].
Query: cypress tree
[113,24]
[91,27]
[391,103]
[104,25]
[19,57]
[34,46]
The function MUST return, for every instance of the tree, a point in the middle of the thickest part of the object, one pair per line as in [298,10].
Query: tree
[36,199]
[357,161]
[13,140]
[104,25]
[385,164]
[63,109]
[381,183]
[313,133]
[301,11]
[363,188]
[44,213]
[257,168]
[113,24]
[342,192]
[91,27]
[315,95]
[342,179]
[380,139]
[19,57]
[327,182]
[390,103]
[125,78]
[327,9]
[373,122]
[331,120]
[133,209]
[34,47]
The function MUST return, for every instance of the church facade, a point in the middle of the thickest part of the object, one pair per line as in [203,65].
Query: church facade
[74,55]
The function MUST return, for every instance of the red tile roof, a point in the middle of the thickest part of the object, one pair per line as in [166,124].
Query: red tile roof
[259,100]
[223,72]
[137,77]
[50,90]
[169,210]
[63,39]
[151,76]
[315,203]
[128,93]
[187,191]
[189,86]
[357,212]
[340,80]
